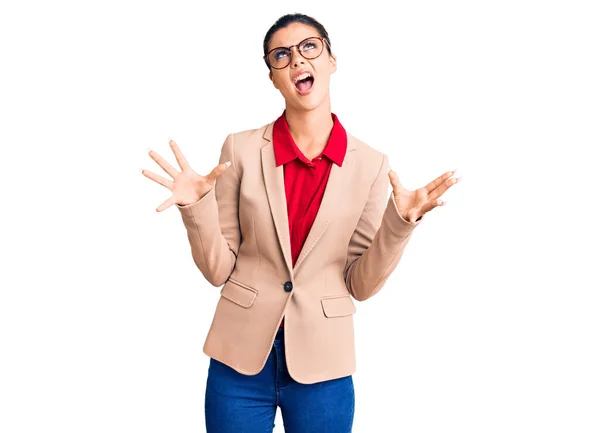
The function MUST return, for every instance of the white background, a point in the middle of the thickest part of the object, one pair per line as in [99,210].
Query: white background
[490,322]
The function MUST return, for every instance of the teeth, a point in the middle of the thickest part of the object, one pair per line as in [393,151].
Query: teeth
[301,77]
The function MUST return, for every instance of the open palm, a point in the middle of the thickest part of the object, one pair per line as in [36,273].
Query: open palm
[187,186]
[412,205]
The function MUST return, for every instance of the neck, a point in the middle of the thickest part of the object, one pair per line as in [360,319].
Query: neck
[310,129]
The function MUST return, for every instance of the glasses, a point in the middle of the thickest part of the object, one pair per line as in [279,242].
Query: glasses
[309,48]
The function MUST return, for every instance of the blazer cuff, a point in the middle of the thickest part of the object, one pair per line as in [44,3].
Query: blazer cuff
[200,209]
[394,220]
[203,199]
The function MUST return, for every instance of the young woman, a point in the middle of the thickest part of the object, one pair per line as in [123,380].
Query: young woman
[295,221]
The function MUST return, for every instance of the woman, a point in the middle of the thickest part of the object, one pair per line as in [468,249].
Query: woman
[295,221]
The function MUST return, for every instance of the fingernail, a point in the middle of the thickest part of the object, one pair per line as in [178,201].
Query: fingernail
[170,139]
[148,149]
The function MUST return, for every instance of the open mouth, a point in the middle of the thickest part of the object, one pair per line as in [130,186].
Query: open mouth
[305,84]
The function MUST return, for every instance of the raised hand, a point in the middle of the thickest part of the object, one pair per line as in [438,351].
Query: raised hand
[187,186]
[412,205]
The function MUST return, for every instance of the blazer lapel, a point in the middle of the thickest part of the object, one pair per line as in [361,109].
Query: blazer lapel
[334,190]
[275,187]
[274,183]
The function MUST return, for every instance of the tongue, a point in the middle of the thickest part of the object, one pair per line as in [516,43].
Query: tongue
[304,85]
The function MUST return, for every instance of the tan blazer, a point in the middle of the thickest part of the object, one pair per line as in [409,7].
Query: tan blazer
[239,237]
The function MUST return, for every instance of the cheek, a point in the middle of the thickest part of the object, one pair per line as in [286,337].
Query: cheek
[323,81]
[323,72]
[284,84]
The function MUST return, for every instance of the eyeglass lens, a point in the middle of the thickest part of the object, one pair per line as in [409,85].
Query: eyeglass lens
[309,49]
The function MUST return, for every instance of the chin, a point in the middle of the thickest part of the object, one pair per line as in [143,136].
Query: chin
[308,102]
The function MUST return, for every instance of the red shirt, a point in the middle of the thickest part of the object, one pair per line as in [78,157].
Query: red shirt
[305,180]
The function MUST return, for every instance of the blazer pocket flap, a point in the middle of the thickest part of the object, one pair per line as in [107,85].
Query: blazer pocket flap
[338,306]
[239,293]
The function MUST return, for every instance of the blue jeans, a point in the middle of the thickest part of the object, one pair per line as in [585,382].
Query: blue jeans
[238,403]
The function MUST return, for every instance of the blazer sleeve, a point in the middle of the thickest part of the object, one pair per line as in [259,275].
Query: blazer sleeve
[378,241]
[212,223]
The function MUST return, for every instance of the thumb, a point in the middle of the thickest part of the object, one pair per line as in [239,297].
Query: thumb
[394,180]
[222,167]
[218,170]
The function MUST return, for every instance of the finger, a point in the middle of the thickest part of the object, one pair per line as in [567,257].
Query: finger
[178,155]
[156,178]
[163,163]
[431,204]
[212,176]
[395,181]
[438,181]
[441,189]
[165,204]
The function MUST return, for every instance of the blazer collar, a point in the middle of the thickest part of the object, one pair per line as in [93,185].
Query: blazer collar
[268,136]
[286,149]
[274,183]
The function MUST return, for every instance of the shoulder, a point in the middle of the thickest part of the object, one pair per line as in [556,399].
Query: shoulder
[254,134]
[257,134]
[247,140]
[364,150]
[245,146]
[368,159]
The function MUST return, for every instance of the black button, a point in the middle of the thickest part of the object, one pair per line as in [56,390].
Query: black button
[288,286]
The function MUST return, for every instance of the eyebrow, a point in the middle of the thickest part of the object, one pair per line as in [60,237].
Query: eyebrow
[291,45]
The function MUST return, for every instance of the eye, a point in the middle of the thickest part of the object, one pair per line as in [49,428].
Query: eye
[309,45]
[280,54]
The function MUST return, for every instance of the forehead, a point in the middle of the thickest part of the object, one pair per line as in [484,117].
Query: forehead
[291,35]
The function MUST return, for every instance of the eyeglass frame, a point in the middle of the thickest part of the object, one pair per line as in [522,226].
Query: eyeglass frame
[323,40]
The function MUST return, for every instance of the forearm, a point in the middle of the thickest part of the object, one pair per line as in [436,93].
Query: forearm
[210,249]
[212,223]
[367,275]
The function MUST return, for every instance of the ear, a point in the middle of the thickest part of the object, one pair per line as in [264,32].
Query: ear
[333,62]
[271,78]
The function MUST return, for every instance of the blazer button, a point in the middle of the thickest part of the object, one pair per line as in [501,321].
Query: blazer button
[288,286]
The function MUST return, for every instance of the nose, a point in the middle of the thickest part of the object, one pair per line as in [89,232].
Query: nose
[296,56]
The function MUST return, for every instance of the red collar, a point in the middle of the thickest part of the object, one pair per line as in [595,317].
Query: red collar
[286,149]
